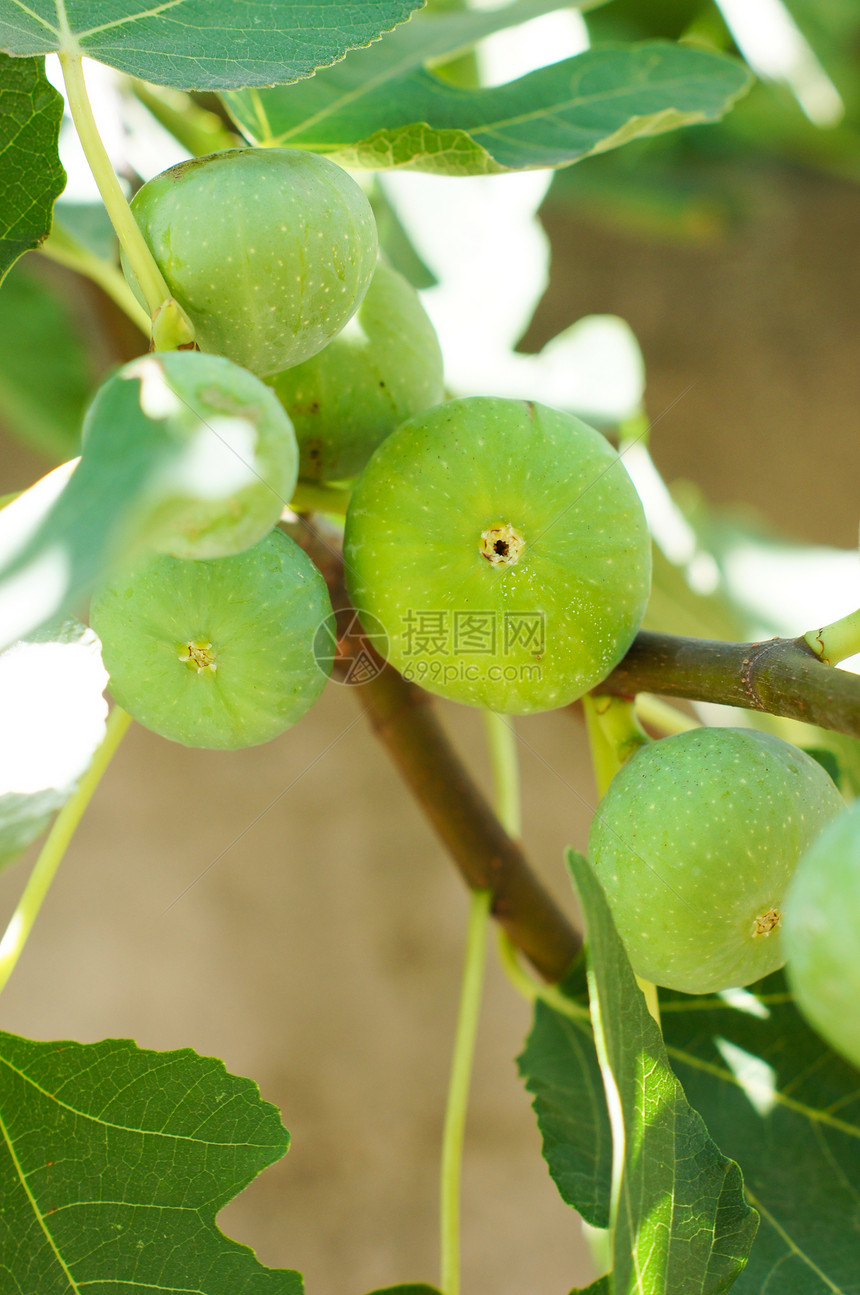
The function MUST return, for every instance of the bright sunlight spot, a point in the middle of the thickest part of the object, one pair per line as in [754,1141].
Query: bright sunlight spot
[775,48]
[756,1077]
[53,712]
[743,1001]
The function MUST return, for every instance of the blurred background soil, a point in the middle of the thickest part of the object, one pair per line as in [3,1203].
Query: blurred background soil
[287,909]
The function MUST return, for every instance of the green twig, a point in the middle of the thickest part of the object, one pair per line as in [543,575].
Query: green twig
[150,278]
[534,990]
[458,1089]
[502,744]
[51,856]
[63,248]
[837,641]
[501,741]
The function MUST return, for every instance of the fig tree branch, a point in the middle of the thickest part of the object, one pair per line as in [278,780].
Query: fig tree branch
[403,717]
[780,676]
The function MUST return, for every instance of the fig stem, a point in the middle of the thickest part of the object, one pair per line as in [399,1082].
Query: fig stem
[615,718]
[150,278]
[52,852]
[65,249]
[837,641]
[458,1088]
[309,496]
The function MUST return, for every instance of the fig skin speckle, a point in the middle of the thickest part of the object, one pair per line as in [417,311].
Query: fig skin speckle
[696,841]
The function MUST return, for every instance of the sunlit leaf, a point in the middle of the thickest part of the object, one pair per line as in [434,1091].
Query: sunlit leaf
[679,1220]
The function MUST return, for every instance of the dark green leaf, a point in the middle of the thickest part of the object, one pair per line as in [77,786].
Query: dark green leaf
[827,760]
[114,1164]
[559,1066]
[419,1289]
[679,1219]
[54,715]
[844,752]
[201,44]
[45,372]
[382,108]
[788,1109]
[31,177]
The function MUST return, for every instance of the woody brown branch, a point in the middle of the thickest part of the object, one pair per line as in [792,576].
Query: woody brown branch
[780,676]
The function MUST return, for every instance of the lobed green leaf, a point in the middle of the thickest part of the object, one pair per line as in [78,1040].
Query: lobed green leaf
[413,1288]
[114,1162]
[31,177]
[382,107]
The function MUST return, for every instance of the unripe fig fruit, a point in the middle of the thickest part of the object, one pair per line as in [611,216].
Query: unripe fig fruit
[215,654]
[695,843]
[383,368]
[822,934]
[503,547]
[229,460]
[268,250]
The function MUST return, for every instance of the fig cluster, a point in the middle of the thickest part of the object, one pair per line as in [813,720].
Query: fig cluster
[496,550]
